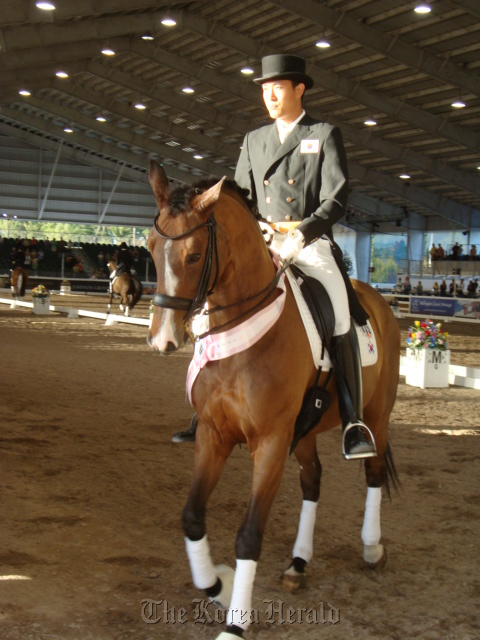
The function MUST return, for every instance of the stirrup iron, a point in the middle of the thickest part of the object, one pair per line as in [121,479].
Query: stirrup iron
[367,453]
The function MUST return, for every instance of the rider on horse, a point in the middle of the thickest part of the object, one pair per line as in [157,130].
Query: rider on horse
[296,169]
[124,261]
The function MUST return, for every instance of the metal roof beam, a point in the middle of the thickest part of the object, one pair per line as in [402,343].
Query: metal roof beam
[47,34]
[100,149]
[390,46]
[124,135]
[437,204]
[13,12]
[343,86]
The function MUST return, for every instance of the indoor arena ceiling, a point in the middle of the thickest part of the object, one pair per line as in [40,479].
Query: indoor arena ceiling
[386,64]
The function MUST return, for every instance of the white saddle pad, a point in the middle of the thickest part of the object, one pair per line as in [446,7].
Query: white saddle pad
[366,337]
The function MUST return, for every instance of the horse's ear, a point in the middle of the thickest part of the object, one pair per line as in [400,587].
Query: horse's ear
[158,182]
[208,198]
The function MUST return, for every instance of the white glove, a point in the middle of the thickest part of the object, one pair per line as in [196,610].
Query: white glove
[292,246]
[267,231]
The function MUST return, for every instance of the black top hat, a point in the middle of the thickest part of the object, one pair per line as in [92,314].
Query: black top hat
[284,67]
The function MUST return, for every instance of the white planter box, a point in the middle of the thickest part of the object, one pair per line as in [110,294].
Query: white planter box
[65,288]
[41,306]
[427,368]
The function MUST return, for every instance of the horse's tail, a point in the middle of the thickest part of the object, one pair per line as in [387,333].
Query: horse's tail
[138,291]
[391,477]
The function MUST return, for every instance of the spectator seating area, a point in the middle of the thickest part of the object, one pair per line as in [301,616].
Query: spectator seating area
[45,258]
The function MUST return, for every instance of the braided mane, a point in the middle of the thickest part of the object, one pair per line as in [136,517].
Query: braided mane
[180,198]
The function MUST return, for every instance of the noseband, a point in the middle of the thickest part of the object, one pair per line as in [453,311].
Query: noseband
[193,305]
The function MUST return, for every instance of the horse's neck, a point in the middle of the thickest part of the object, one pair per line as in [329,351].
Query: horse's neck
[249,271]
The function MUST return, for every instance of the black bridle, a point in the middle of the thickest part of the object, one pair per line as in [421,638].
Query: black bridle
[193,305]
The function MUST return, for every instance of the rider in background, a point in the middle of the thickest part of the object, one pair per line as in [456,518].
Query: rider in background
[124,260]
[296,169]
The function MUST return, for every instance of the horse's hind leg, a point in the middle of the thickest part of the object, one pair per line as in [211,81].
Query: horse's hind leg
[380,471]
[310,477]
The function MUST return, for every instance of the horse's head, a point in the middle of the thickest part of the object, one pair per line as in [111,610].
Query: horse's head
[112,265]
[183,245]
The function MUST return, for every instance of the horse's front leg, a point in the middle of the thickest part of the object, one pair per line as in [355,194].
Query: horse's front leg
[269,462]
[310,477]
[210,457]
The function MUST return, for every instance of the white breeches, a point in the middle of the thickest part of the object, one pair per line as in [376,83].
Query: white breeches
[317,261]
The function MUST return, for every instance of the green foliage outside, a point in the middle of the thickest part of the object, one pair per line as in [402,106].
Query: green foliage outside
[77,233]
[385,258]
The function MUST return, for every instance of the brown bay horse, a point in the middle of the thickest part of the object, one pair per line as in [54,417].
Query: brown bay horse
[206,243]
[18,283]
[126,286]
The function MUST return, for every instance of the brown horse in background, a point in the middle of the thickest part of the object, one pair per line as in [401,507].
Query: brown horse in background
[126,286]
[207,244]
[18,282]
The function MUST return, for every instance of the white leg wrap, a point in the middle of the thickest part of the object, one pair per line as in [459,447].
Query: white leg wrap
[240,611]
[303,547]
[201,565]
[371,524]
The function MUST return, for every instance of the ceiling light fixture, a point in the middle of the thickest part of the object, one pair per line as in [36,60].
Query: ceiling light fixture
[458,104]
[140,106]
[197,156]
[422,8]
[101,119]
[188,89]
[24,92]
[68,130]
[147,36]
[168,21]
[61,74]
[107,50]
[45,6]
[370,122]
[322,44]
[247,71]
[404,176]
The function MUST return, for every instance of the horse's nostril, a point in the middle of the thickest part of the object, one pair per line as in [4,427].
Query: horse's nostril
[170,347]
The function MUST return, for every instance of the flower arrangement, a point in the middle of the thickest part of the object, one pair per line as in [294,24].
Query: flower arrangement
[427,335]
[65,282]
[40,291]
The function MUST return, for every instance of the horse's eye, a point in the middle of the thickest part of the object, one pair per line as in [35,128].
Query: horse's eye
[193,257]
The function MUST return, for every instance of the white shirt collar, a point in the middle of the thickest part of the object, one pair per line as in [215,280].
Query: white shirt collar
[284,129]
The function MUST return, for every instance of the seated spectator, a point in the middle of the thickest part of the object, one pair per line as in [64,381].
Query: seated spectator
[435,288]
[451,288]
[407,287]
[419,289]
[443,288]
[473,252]
[398,288]
[459,288]
[471,289]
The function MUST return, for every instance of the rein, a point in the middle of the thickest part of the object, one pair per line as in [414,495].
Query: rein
[193,306]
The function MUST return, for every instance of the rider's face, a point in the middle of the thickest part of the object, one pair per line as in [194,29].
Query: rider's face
[283,100]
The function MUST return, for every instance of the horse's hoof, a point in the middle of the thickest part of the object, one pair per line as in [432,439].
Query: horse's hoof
[292,580]
[226,575]
[372,562]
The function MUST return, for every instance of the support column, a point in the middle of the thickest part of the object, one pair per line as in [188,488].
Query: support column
[363,247]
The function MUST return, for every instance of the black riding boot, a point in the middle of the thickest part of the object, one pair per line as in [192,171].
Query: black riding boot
[189,434]
[357,439]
